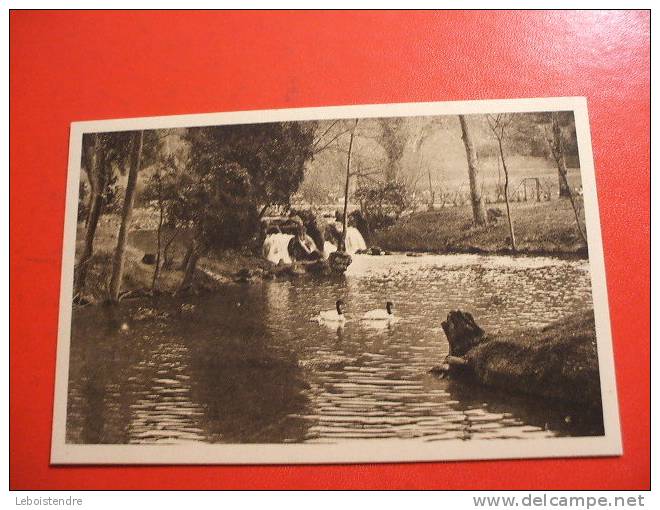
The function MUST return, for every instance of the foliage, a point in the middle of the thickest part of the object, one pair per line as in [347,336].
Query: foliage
[213,200]
[273,155]
[83,206]
[382,202]
[105,156]
[526,136]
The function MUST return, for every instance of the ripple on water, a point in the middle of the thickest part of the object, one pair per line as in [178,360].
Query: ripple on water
[261,372]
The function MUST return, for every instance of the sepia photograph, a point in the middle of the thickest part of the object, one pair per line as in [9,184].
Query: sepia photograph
[378,283]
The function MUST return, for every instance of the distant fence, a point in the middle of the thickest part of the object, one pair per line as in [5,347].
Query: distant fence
[527,189]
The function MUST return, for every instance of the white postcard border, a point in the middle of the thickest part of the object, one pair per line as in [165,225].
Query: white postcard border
[348,451]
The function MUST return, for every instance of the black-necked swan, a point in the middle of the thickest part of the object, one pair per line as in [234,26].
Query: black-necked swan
[336,315]
[381,314]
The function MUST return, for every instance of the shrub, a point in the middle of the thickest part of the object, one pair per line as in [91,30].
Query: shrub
[383,202]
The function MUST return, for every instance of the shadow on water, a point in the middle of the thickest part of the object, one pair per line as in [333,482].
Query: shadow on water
[96,411]
[251,390]
[483,405]
[248,365]
[172,372]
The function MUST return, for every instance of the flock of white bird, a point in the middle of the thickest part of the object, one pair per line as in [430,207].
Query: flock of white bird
[338,316]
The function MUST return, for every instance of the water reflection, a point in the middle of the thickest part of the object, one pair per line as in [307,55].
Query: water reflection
[247,365]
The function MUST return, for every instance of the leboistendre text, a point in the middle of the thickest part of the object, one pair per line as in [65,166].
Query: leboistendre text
[48,501]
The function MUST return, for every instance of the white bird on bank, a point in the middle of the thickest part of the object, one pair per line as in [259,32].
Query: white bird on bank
[381,315]
[336,315]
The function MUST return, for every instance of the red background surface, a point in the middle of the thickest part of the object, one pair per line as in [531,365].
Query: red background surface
[68,66]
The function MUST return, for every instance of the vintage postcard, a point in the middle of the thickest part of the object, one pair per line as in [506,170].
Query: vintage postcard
[403,282]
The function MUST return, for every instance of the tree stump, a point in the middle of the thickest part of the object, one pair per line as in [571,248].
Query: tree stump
[462,332]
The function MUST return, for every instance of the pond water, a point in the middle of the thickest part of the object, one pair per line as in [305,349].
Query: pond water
[248,365]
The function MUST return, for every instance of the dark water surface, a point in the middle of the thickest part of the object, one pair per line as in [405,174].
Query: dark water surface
[248,365]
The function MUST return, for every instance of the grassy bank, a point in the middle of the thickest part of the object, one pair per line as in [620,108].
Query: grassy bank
[541,228]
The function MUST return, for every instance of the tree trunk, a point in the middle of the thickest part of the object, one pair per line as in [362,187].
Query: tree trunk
[506,195]
[159,234]
[462,332]
[499,179]
[558,153]
[478,210]
[191,265]
[167,258]
[564,190]
[186,257]
[391,170]
[95,174]
[431,193]
[348,175]
[127,213]
[88,249]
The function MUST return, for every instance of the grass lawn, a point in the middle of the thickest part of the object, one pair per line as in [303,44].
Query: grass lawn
[540,228]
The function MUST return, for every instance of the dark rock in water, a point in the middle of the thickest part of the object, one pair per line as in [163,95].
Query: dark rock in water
[387,253]
[375,250]
[339,262]
[412,254]
[558,362]
[361,252]
[320,267]
[149,258]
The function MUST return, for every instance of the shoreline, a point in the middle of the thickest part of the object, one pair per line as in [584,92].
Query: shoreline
[213,273]
[580,254]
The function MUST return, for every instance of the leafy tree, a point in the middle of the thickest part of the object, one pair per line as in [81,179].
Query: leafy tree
[528,135]
[382,202]
[215,200]
[273,154]
[141,149]
[137,143]
[160,190]
[102,155]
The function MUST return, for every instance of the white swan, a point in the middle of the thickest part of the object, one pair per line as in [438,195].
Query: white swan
[336,315]
[381,315]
